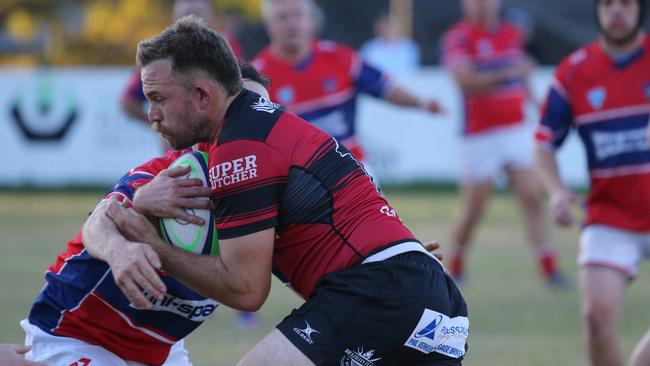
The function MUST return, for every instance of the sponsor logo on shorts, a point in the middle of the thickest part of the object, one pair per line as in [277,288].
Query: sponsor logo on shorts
[359,357]
[194,310]
[306,333]
[234,171]
[436,332]
[263,105]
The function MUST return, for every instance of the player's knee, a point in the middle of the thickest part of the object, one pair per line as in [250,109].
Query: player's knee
[531,202]
[599,316]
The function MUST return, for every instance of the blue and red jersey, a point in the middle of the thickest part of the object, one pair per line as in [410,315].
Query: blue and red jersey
[268,169]
[467,43]
[323,88]
[81,299]
[607,100]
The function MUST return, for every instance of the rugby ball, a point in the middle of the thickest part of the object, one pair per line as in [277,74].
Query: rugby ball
[200,239]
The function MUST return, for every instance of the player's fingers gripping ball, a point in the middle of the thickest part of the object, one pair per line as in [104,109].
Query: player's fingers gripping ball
[200,239]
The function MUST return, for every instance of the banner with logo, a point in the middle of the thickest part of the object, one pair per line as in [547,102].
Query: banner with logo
[65,126]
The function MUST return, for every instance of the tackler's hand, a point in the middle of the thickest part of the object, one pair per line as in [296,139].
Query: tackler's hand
[170,195]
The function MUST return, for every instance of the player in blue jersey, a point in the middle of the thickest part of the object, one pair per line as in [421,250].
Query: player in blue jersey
[81,317]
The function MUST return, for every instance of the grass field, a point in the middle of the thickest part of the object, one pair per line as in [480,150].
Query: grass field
[515,319]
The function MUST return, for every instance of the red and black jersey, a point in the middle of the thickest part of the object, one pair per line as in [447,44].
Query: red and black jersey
[271,169]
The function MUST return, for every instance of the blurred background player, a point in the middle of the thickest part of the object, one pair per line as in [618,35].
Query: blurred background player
[320,80]
[486,58]
[133,100]
[389,50]
[603,91]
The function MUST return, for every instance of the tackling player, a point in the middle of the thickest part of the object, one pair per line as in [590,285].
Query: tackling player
[82,316]
[603,91]
[486,57]
[320,80]
[304,207]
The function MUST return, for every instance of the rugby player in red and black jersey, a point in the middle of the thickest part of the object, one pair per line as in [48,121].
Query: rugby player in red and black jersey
[288,197]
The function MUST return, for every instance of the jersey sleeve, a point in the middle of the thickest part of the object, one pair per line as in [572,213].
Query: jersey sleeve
[557,114]
[133,89]
[248,181]
[137,177]
[368,79]
[454,48]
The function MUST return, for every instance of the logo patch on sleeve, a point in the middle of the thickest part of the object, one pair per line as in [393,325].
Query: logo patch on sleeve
[436,332]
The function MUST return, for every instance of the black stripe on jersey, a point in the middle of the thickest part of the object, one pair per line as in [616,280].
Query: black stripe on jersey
[334,165]
[255,199]
[249,117]
[254,227]
[306,200]
[248,215]
[319,151]
[350,178]
[345,240]
[262,182]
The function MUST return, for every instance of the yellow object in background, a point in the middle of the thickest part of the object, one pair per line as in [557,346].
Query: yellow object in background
[21,26]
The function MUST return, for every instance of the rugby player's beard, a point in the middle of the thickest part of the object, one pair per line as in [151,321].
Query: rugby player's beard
[620,41]
[196,129]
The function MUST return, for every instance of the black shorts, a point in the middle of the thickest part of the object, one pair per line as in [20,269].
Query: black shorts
[403,310]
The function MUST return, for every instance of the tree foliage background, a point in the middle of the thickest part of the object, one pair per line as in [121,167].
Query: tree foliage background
[88,32]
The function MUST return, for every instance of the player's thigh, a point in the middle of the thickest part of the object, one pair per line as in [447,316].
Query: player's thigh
[601,290]
[275,349]
[524,183]
[475,195]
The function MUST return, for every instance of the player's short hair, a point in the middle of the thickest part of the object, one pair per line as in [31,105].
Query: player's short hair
[192,46]
[319,15]
[642,13]
[250,73]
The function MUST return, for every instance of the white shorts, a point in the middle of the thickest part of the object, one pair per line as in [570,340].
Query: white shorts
[64,351]
[606,246]
[485,155]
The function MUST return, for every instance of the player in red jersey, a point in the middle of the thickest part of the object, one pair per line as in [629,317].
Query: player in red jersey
[287,196]
[132,99]
[603,91]
[486,58]
[321,80]
[81,316]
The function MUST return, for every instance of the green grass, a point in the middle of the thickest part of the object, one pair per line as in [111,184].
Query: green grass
[515,320]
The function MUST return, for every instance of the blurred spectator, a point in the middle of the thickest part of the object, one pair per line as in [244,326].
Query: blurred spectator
[389,50]
[133,99]
[521,19]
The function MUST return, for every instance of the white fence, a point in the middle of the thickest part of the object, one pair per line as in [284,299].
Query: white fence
[64,126]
